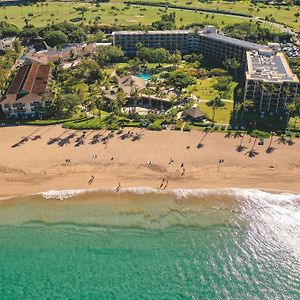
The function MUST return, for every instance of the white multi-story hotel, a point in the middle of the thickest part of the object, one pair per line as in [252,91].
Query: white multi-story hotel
[269,81]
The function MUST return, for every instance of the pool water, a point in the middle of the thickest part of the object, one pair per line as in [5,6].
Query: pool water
[145,76]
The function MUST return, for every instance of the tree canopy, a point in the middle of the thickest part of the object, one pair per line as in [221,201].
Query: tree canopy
[8,30]
[56,38]
[109,55]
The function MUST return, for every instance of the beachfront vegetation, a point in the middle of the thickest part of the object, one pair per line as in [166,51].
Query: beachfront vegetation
[7,61]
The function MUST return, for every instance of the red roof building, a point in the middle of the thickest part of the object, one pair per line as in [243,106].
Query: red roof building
[25,95]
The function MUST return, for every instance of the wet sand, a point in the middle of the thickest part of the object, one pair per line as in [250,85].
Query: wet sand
[33,159]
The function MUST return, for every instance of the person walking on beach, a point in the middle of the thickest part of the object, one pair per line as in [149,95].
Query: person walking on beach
[118,187]
[162,183]
[91,180]
[166,184]
[171,161]
[183,171]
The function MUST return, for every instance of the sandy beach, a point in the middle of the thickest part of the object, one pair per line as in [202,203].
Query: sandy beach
[33,159]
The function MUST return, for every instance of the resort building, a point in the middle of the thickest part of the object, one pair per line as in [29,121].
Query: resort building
[270,83]
[27,94]
[11,2]
[218,47]
[131,83]
[7,44]
[70,52]
[261,65]
[170,40]
[210,43]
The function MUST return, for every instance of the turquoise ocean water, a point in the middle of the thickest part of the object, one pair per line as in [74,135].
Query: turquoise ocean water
[226,244]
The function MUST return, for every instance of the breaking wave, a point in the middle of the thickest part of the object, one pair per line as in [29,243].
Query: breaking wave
[238,193]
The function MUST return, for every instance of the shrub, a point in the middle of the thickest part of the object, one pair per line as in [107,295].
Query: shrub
[186,127]
[259,134]
[113,126]
[154,127]
[178,126]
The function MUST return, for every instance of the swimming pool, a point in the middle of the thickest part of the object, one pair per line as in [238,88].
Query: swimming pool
[145,76]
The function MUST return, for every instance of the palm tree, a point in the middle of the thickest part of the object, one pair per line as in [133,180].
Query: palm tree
[135,95]
[262,88]
[106,80]
[287,93]
[233,64]
[291,110]
[247,103]
[237,107]
[271,90]
[215,104]
[173,100]
[121,99]
[149,92]
[96,97]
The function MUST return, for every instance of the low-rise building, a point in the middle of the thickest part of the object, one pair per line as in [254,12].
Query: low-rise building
[27,95]
[68,53]
[270,83]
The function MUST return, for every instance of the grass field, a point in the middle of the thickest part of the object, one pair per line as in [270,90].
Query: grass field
[282,14]
[110,13]
[204,91]
[222,115]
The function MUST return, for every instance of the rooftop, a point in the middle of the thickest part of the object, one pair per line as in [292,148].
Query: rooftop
[152,32]
[209,32]
[194,113]
[269,67]
[30,79]
[237,42]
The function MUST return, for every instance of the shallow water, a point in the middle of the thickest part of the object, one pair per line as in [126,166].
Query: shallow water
[224,244]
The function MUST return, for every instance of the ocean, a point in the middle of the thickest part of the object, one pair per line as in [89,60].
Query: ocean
[145,244]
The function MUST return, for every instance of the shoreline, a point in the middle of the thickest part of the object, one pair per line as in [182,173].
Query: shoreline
[38,162]
[65,194]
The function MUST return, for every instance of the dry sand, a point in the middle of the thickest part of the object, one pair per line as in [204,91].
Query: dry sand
[38,164]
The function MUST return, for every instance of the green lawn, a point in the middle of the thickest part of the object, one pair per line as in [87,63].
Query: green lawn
[110,13]
[282,14]
[204,89]
[222,115]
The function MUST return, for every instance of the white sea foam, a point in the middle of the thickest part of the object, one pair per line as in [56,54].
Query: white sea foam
[6,198]
[63,194]
[253,195]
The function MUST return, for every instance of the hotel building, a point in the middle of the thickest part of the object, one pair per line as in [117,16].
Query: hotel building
[260,63]
[269,83]
[25,95]
[170,40]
